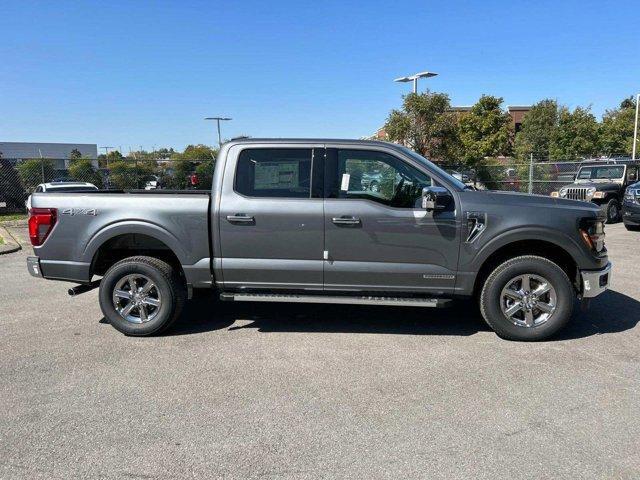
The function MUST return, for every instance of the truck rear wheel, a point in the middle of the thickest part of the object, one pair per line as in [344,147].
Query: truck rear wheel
[141,296]
[527,298]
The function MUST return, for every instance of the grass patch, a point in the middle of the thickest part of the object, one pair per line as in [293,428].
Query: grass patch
[1,240]
[6,217]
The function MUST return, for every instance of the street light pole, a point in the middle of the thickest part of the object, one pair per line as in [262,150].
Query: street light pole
[414,78]
[218,120]
[635,128]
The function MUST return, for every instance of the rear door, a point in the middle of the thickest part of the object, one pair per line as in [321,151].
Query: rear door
[271,217]
[377,235]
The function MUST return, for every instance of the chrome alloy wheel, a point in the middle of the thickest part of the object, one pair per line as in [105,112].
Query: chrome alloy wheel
[528,300]
[136,298]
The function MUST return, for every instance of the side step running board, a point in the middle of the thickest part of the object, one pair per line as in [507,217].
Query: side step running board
[351,300]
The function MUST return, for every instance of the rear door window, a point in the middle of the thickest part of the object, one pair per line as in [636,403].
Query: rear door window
[274,172]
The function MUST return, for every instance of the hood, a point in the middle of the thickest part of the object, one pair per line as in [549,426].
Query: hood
[526,200]
[599,186]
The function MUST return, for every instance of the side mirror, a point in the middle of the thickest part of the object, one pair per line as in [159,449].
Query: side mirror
[435,198]
[631,176]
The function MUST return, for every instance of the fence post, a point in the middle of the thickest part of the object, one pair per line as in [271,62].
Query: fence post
[531,174]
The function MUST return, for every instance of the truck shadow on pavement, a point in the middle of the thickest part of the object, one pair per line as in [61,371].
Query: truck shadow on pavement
[611,313]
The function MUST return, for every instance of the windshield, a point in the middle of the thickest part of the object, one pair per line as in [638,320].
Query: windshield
[453,180]
[603,172]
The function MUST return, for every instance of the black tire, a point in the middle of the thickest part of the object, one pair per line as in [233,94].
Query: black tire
[490,298]
[611,210]
[168,286]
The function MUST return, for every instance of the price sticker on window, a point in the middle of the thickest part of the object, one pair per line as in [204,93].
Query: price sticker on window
[344,185]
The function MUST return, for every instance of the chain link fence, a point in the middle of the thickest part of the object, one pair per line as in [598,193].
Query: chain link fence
[18,179]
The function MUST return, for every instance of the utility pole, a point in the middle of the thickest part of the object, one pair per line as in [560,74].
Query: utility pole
[218,120]
[106,154]
[635,128]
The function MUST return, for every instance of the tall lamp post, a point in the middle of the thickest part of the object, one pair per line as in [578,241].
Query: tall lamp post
[635,128]
[218,120]
[414,78]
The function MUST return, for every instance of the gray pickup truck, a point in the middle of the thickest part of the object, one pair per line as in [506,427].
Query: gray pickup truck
[296,221]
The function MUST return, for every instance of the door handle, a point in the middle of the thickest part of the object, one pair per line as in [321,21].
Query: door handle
[240,218]
[346,220]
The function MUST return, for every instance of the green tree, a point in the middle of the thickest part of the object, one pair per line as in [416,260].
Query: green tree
[575,136]
[425,124]
[616,129]
[204,170]
[197,152]
[35,171]
[81,169]
[122,175]
[105,160]
[485,131]
[538,126]
[75,154]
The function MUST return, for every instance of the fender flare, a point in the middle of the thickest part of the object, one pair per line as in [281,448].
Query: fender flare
[530,233]
[136,227]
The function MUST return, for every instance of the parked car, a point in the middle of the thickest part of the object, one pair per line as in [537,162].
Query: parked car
[602,183]
[61,186]
[282,223]
[152,182]
[631,207]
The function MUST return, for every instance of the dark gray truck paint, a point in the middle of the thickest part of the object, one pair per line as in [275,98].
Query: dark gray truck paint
[234,242]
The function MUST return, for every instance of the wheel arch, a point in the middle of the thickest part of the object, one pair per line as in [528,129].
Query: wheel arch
[543,248]
[119,241]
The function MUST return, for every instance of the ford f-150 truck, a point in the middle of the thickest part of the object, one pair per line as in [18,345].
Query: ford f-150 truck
[293,221]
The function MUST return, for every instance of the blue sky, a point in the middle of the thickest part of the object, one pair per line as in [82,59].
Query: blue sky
[146,73]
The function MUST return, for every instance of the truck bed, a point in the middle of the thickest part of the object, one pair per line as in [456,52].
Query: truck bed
[178,220]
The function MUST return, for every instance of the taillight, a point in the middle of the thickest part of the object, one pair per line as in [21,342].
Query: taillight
[41,222]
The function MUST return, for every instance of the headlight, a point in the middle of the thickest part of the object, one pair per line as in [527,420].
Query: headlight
[563,191]
[591,191]
[632,194]
[593,235]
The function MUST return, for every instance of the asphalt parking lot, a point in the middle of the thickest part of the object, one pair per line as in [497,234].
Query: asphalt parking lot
[290,391]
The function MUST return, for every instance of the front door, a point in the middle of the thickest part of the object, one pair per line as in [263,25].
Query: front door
[271,218]
[377,235]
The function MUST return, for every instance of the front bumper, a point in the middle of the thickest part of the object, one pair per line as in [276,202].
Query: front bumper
[595,282]
[631,214]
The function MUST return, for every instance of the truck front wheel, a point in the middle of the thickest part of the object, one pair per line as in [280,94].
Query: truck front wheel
[527,298]
[141,295]
[611,210]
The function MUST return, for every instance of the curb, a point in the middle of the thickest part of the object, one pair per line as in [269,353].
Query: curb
[11,245]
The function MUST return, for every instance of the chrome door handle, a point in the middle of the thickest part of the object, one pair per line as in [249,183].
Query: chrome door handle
[240,218]
[346,220]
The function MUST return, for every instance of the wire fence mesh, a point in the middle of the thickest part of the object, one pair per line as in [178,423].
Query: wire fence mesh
[18,179]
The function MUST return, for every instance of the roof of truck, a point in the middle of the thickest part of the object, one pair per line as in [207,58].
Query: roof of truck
[312,140]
